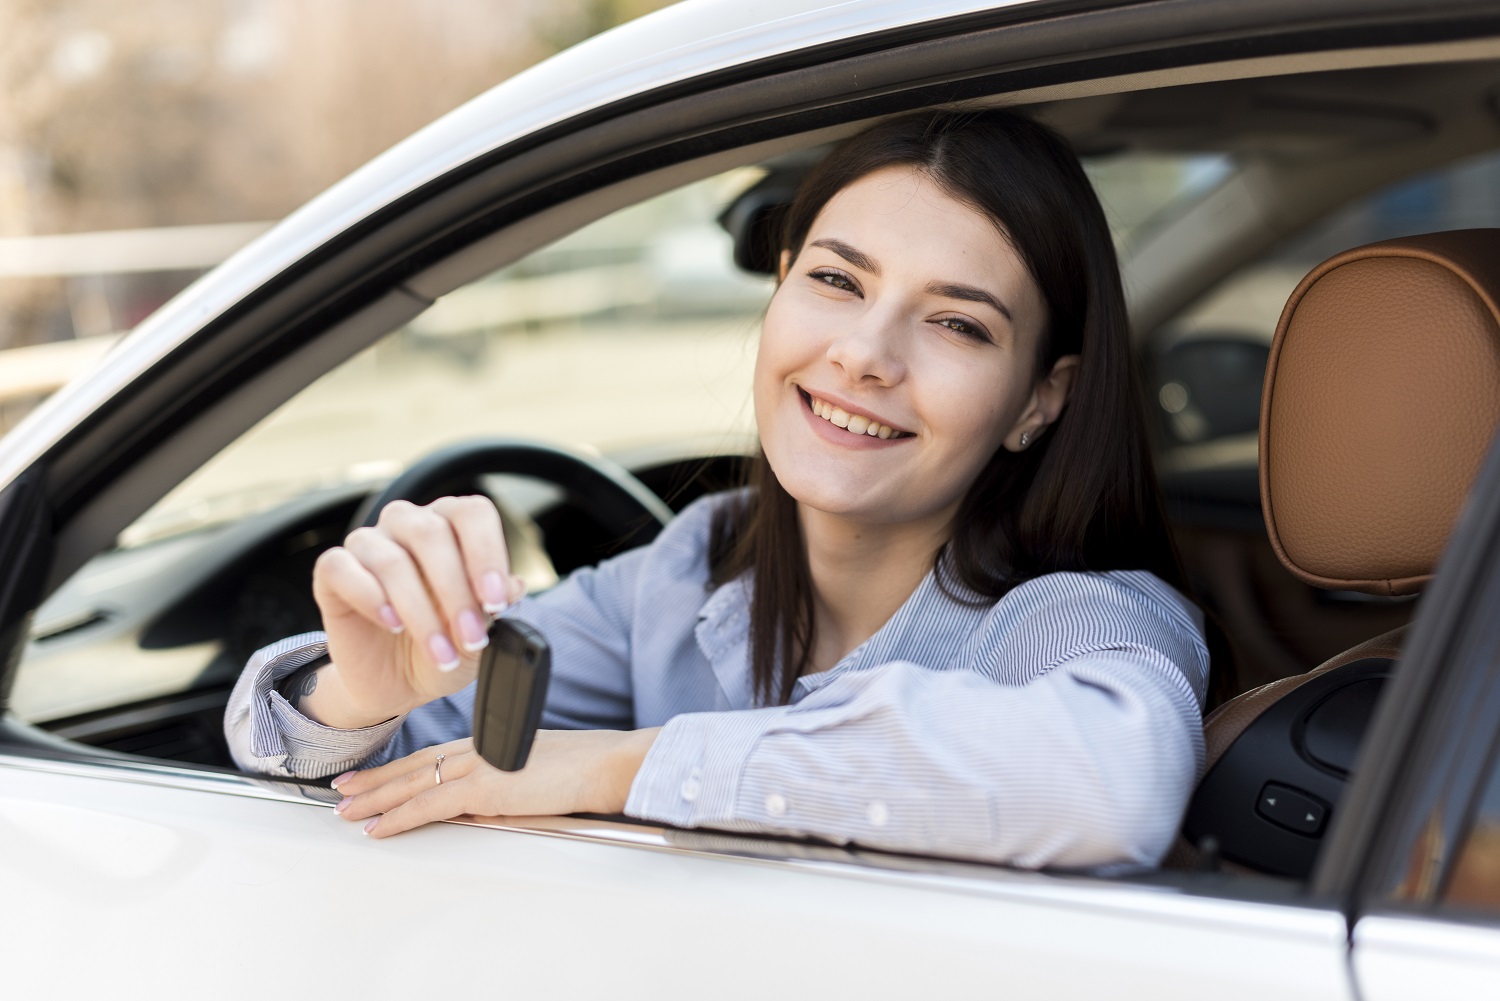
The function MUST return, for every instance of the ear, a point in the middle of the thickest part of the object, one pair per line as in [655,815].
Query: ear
[783,265]
[1048,397]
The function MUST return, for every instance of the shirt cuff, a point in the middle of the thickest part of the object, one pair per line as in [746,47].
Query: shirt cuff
[300,746]
[691,774]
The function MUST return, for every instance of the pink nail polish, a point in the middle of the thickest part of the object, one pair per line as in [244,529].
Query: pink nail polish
[343,804]
[492,590]
[442,652]
[472,631]
[341,779]
[391,619]
[371,825]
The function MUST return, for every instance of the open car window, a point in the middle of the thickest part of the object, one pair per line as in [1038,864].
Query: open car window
[633,337]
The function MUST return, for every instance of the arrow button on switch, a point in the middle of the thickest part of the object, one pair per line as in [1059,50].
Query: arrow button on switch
[1292,809]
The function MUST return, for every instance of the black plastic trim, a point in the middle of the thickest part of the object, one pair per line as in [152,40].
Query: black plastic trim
[25,552]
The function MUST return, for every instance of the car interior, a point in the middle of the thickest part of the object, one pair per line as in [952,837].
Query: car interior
[1307,510]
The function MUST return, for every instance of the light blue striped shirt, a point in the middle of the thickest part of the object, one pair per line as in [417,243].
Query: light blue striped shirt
[1060,726]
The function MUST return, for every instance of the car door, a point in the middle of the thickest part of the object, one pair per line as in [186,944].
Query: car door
[132,879]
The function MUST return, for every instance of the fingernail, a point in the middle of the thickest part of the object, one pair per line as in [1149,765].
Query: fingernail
[517,588]
[391,619]
[341,779]
[442,651]
[471,630]
[343,804]
[371,825]
[492,590]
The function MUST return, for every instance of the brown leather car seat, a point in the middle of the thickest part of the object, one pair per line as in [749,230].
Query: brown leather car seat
[1381,395]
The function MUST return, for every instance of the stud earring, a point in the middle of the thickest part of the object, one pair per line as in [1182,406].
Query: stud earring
[1025,438]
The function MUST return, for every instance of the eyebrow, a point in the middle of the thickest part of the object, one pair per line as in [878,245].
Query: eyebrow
[858,258]
[968,293]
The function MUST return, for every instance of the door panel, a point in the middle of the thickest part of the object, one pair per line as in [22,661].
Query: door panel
[1410,957]
[166,886]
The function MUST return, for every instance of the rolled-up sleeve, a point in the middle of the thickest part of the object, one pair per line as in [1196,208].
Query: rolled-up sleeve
[267,735]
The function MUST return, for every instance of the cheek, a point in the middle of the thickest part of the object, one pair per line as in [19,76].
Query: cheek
[976,406]
[785,343]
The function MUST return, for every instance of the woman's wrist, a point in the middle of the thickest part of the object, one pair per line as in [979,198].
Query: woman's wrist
[320,695]
[622,764]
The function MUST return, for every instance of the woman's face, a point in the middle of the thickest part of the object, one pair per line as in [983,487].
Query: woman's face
[906,310]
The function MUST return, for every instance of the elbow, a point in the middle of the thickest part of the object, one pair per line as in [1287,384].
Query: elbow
[1133,824]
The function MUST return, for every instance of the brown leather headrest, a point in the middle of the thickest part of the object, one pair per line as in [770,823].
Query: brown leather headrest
[1381,396]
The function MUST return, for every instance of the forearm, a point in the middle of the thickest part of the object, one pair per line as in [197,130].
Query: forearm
[1086,767]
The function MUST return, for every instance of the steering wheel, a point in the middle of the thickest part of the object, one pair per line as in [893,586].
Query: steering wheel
[621,504]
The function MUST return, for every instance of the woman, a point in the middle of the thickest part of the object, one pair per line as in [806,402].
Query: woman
[940,620]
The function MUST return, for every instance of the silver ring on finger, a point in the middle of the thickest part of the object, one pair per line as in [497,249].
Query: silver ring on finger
[437,770]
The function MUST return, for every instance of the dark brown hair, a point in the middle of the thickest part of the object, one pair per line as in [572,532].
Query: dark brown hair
[1084,496]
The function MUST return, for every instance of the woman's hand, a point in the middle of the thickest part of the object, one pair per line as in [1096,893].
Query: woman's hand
[568,771]
[407,605]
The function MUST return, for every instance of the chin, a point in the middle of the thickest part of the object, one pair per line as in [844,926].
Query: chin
[847,501]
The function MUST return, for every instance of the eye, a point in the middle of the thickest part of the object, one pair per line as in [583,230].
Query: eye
[959,325]
[834,279]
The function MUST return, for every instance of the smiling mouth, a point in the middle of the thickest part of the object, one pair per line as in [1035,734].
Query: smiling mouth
[853,423]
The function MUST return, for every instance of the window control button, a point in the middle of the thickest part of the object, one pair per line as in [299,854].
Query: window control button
[1291,808]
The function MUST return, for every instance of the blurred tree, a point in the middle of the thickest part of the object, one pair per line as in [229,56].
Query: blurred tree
[171,112]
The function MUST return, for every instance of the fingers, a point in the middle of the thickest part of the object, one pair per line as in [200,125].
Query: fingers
[481,541]
[437,803]
[415,555]
[412,797]
[343,585]
[405,585]
[431,568]
[354,783]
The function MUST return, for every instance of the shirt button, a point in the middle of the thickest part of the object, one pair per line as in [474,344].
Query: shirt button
[690,789]
[877,813]
[776,805]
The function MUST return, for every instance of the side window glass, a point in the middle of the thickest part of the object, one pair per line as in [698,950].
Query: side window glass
[1474,881]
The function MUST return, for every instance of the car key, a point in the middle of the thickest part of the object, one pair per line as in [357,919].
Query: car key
[513,675]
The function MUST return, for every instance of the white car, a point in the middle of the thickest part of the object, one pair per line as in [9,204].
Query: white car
[552,293]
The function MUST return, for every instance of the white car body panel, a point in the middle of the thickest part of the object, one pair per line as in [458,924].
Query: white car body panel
[677,43]
[1397,958]
[248,891]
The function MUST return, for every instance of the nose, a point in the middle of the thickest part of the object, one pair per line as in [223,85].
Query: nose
[870,349]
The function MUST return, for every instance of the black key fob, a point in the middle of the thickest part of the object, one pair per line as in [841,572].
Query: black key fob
[513,675]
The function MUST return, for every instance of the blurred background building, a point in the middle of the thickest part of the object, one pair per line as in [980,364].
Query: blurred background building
[142,142]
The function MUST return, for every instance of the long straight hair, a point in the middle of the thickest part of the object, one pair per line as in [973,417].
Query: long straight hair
[1085,495]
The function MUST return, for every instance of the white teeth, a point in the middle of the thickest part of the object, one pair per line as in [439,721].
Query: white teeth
[850,422]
